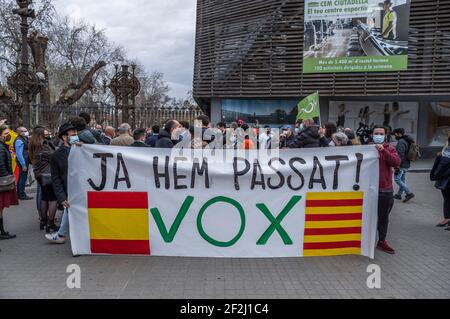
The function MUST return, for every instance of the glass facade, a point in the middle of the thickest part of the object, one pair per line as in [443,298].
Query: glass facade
[260,112]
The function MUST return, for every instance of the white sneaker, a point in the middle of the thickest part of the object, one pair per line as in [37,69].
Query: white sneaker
[55,238]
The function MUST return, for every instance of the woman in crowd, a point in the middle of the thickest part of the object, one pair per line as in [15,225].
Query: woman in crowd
[352,138]
[330,129]
[41,149]
[441,175]
[339,139]
[8,196]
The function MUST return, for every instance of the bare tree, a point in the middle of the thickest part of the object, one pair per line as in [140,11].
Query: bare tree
[10,37]
[79,89]
[76,48]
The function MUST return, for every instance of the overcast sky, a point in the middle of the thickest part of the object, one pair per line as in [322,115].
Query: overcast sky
[159,33]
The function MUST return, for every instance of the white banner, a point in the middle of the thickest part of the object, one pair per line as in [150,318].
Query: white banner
[144,201]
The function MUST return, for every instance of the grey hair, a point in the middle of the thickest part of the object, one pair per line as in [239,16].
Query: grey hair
[125,127]
[341,137]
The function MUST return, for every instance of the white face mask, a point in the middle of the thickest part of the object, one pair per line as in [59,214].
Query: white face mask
[26,134]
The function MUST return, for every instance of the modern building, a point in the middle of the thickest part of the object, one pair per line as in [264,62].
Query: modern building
[249,56]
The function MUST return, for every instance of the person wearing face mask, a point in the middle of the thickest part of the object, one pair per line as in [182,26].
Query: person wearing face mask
[403,145]
[298,127]
[389,160]
[184,138]
[168,135]
[287,138]
[22,154]
[265,139]
[59,162]
[9,197]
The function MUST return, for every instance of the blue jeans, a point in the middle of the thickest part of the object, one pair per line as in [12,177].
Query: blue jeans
[64,227]
[400,180]
[23,176]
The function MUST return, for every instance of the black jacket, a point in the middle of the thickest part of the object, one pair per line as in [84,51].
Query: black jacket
[310,138]
[59,163]
[288,142]
[403,146]
[164,140]
[139,144]
[441,172]
[5,160]
[41,164]
[97,135]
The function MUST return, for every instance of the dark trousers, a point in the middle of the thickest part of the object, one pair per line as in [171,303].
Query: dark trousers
[446,194]
[23,176]
[385,205]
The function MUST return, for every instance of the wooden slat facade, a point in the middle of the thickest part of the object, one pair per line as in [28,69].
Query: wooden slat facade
[254,49]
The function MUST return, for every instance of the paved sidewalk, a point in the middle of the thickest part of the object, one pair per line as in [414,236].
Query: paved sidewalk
[31,268]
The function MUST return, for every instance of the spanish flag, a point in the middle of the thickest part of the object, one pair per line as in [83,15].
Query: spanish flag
[333,224]
[119,223]
[10,142]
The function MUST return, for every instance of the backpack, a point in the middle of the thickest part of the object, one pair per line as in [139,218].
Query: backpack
[413,152]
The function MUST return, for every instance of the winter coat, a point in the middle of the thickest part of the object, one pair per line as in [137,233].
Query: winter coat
[139,144]
[59,165]
[5,160]
[164,140]
[389,160]
[41,164]
[86,137]
[152,139]
[310,138]
[403,146]
[122,140]
[97,135]
[441,171]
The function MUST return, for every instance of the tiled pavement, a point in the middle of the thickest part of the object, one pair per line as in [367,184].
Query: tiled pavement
[30,268]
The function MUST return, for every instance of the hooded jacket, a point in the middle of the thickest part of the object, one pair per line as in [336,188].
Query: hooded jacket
[165,140]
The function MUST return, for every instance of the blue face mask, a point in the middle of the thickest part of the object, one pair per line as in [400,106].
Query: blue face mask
[73,139]
[379,139]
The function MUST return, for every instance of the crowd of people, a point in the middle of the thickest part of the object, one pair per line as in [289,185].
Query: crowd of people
[47,155]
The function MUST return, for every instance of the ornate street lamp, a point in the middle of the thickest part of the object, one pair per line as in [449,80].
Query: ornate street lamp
[125,87]
[23,82]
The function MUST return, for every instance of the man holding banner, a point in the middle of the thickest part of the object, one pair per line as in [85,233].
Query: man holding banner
[389,159]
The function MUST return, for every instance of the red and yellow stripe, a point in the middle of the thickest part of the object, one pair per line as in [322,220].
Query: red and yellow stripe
[118,223]
[333,224]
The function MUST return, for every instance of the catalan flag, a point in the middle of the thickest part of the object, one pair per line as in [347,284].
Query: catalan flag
[119,223]
[333,224]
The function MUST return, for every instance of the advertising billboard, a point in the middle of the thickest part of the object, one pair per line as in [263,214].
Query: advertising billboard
[356,36]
